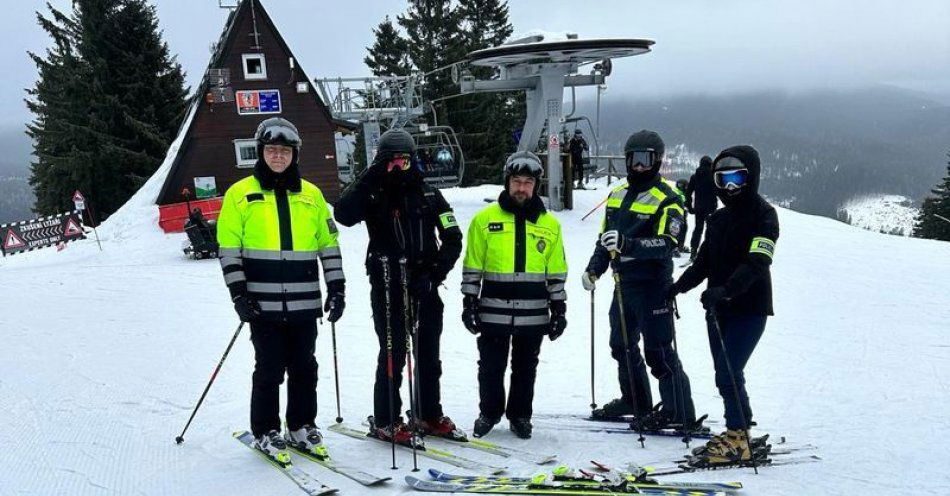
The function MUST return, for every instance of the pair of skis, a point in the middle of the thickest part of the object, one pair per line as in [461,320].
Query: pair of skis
[566,484]
[304,480]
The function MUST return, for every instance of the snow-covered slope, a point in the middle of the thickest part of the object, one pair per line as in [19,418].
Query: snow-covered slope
[890,214]
[104,354]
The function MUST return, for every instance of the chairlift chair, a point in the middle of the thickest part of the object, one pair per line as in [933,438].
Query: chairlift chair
[438,155]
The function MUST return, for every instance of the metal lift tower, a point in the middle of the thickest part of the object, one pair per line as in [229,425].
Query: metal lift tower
[542,69]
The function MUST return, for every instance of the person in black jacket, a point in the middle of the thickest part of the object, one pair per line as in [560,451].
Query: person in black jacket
[577,146]
[700,200]
[405,219]
[735,260]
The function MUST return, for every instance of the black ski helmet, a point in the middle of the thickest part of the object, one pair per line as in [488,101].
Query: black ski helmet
[392,142]
[524,163]
[278,131]
[645,140]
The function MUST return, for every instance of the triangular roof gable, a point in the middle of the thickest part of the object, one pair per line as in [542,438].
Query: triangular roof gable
[223,47]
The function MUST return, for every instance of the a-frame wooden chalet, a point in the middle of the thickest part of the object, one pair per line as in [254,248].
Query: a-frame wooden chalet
[252,76]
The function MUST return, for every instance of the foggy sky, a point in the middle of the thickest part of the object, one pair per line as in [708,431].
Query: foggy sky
[702,46]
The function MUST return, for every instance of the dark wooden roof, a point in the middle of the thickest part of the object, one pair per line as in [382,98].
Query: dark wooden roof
[206,147]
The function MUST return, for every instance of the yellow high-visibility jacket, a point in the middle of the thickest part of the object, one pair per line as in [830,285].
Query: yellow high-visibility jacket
[270,242]
[516,268]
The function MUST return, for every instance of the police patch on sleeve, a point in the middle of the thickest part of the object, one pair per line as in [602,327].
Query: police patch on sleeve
[541,246]
[675,226]
[763,246]
[331,226]
[448,220]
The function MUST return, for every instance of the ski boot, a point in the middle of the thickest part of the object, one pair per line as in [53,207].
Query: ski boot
[730,449]
[756,444]
[307,439]
[521,427]
[483,425]
[397,431]
[613,411]
[273,447]
[441,427]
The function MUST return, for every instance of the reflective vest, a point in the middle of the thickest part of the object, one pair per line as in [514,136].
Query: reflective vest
[270,242]
[515,267]
[651,222]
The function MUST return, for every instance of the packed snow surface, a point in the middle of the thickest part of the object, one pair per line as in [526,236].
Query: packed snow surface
[104,354]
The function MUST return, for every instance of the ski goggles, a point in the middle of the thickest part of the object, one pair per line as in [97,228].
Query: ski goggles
[524,166]
[401,161]
[732,178]
[280,135]
[641,159]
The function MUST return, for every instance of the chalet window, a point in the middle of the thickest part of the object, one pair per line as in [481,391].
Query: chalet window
[245,151]
[254,66]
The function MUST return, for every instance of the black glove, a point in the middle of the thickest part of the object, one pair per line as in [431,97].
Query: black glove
[374,175]
[558,320]
[333,308]
[470,314]
[713,297]
[247,308]
[420,286]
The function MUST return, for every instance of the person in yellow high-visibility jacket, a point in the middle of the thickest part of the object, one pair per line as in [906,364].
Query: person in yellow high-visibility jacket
[513,282]
[272,230]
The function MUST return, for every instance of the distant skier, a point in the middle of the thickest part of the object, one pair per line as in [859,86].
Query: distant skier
[513,281]
[405,218]
[641,228]
[577,146]
[735,259]
[700,200]
[272,229]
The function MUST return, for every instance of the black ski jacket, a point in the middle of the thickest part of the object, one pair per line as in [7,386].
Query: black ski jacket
[407,218]
[701,192]
[738,249]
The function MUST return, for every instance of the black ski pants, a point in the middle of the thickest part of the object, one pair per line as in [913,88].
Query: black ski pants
[283,348]
[427,366]
[648,315]
[698,230]
[492,363]
[740,334]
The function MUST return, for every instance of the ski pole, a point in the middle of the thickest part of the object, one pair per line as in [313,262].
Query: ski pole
[593,402]
[735,389]
[594,209]
[181,437]
[336,374]
[389,360]
[407,325]
[678,374]
[626,345]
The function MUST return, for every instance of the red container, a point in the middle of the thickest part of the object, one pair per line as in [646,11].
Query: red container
[172,217]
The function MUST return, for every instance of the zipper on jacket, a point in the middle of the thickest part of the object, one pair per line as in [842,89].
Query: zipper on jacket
[519,243]
[286,235]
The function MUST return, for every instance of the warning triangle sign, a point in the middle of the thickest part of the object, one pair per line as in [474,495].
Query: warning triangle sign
[72,228]
[12,241]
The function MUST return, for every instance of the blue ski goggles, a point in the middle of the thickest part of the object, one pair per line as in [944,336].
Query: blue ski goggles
[731,179]
[641,159]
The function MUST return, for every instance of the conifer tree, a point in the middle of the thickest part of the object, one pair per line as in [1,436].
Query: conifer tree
[929,223]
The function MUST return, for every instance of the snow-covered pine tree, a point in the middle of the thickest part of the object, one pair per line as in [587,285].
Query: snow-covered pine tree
[929,224]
